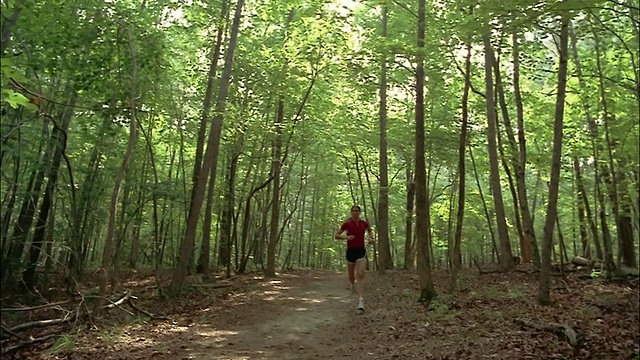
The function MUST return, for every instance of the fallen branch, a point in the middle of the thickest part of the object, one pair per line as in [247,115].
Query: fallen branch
[150,315]
[7,333]
[69,317]
[42,323]
[212,286]
[563,331]
[118,303]
[18,346]
[484,271]
[38,307]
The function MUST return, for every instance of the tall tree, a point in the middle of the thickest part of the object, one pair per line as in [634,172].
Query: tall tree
[554,181]
[385,259]
[276,165]
[427,290]
[107,253]
[210,160]
[506,260]
[457,240]
[520,163]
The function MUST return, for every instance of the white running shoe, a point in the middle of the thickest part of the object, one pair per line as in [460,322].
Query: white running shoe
[360,304]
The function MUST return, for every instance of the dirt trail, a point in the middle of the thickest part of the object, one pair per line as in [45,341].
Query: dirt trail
[292,317]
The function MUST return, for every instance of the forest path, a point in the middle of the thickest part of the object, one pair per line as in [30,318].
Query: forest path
[310,315]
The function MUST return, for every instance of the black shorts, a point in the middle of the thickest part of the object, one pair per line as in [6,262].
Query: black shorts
[354,254]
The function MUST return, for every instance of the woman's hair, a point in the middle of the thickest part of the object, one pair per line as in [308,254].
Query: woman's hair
[356,207]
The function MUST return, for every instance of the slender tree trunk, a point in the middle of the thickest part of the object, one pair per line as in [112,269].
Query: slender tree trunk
[524,246]
[554,181]
[506,259]
[314,201]
[584,236]
[375,211]
[276,166]
[593,130]
[208,95]
[461,170]
[9,24]
[60,141]
[385,259]
[210,160]
[484,203]
[531,251]
[563,246]
[107,253]
[229,208]
[28,208]
[409,258]
[427,290]
[626,249]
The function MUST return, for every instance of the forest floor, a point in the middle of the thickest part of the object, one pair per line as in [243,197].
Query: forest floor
[311,315]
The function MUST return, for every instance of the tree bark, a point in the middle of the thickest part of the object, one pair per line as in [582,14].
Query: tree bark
[626,250]
[208,95]
[506,260]
[276,166]
[524,245]
[532,253]
[427,290]
[554,181]
[60,141]
[385,261]
[409,255]
[107,253]
[210,160]
[461,170]
[582,201]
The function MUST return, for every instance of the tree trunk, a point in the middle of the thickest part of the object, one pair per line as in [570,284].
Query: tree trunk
[519,165]
[9,24]
[208,95]
[427,290]
[524,245]
[229,204]
[581,195]
[60,141]
[210,161]
[626,249]
[593,130]
[375,212]
[276,166]
[506,259]
[409,258]
[385,261]
[28,208]
[554,181]
[461,170]
[484,203]
[314,201]
[107,253]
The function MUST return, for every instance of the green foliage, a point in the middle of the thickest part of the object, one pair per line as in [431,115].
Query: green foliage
[332,51]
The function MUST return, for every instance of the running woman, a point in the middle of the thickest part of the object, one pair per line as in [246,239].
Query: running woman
[356,251]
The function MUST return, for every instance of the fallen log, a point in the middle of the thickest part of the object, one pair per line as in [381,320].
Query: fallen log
[580,261]
[563,331]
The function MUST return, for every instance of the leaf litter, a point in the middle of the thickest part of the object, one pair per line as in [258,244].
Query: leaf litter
[311,315]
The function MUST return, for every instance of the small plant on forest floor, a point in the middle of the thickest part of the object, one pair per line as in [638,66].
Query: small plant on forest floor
[515,293]
[65,344]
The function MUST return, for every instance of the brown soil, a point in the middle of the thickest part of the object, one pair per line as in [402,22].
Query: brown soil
[312,315]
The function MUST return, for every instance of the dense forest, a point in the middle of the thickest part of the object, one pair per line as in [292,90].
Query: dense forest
[214,135]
